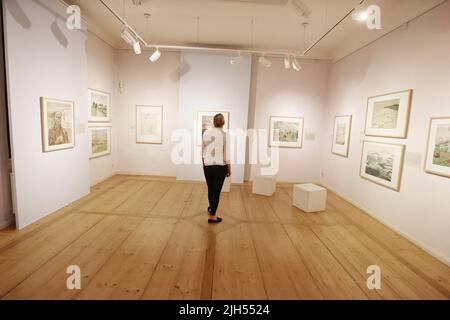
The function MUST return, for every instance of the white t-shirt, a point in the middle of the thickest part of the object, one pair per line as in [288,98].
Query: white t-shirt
[215,147]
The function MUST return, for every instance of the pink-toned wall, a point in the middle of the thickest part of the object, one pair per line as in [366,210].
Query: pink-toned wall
[53,66]
[417,57]
[145,83]
[5,186]
[276,91]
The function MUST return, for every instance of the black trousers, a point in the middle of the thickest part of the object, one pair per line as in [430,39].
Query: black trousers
[215,177]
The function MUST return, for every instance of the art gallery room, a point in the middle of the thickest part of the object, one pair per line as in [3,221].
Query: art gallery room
[333,181]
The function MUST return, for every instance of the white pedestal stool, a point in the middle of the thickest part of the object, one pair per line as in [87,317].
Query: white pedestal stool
[264,185]
[310,197]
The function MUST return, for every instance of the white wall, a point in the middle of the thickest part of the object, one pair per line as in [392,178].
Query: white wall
[286,93]
[100,68]
[5,185]
[413,58]
[145,83]
[44,59]
[209,83]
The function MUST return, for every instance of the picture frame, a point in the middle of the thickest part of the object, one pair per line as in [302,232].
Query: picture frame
[100,141]
[57,124]
[99,106]
[205,121]
[437,160]
[149,124]
[341,135]
[382,163]
[388,115]
[286,132]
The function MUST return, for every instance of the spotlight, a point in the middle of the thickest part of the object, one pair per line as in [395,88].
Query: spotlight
[128,37]
[137,47]
[266,63]
[287,62]
[360,16]
[296,65]
[237,60]
[155,56]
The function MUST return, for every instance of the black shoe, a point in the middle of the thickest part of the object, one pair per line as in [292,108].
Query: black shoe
[215,221]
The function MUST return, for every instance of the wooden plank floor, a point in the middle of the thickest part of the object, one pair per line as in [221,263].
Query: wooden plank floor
[148,238]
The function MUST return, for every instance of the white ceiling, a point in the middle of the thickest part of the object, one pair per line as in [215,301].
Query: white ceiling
[227,23]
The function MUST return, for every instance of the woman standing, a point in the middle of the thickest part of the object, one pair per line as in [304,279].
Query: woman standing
[216,164]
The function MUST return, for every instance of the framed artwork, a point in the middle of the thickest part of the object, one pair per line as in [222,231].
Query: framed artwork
[57,124]
[149,124]
[388,115]
[99,106]
[100,137]
[341,135]
[286,132]
[382,163]
[438,147]
[205,121]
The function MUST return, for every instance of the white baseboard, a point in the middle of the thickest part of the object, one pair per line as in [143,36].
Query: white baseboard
[428,249]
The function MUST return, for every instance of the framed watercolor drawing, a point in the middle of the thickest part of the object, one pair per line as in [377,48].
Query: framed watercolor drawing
[149,124]
[57,124]
[382,163]
[100,137]
[99,106]
[205,120]
[286,132]
[341,135]
[388,115]
[437,159]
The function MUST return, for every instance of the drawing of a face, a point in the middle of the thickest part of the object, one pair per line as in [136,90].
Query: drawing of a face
[58,119]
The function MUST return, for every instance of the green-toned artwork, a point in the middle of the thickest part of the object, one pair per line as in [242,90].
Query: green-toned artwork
[438,149]
[100,106]
[382,163]
[286,132]
[388,115]
[441,154]
[100,141]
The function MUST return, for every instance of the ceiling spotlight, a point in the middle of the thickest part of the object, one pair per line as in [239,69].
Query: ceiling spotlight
[237,60]
[128,37]
[266,63]
[296,65]
[287,62]
[155,56]
[137,47]
[361,15]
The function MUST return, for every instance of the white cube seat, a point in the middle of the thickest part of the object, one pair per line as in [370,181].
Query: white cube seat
[310,197]
[264,185]
[226,185]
